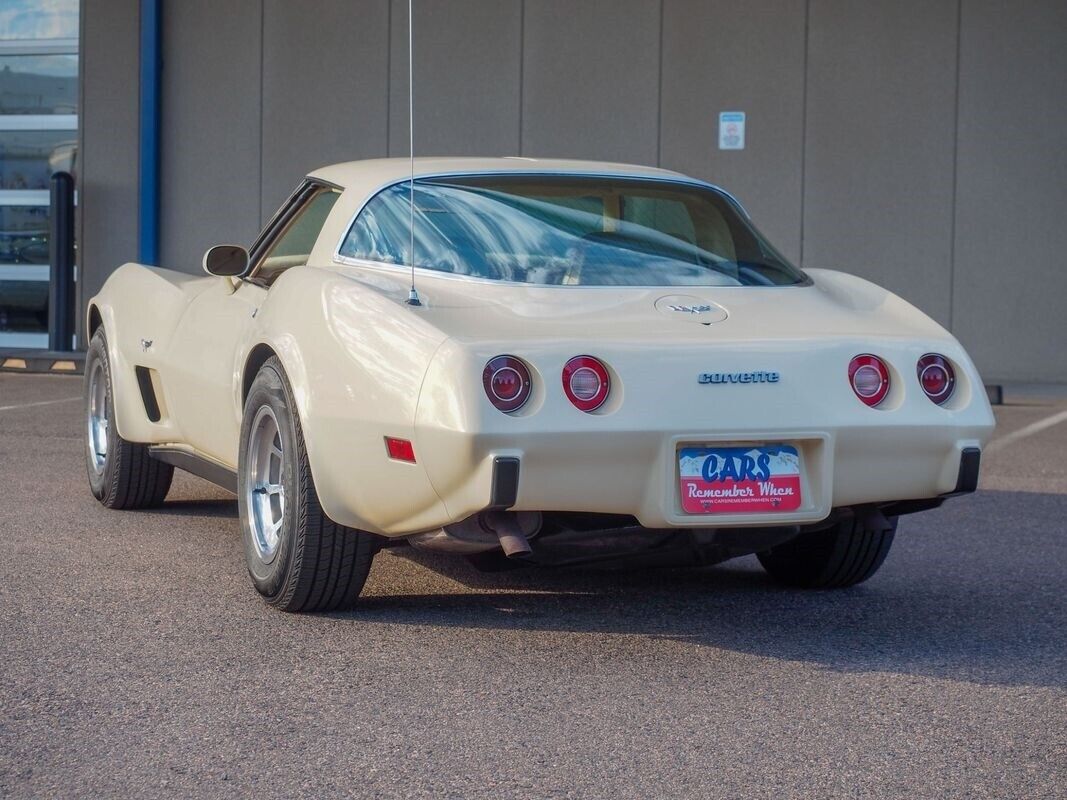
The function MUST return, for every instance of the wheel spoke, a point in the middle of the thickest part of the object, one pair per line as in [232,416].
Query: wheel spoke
[266,491]
[97,427]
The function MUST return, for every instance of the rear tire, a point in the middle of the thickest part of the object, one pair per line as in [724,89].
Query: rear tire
[297,557]
[122,475]
[844,555]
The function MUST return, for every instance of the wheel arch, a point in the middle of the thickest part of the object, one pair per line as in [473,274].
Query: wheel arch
[254,361]
[100,316]
[93,320]
[290,356]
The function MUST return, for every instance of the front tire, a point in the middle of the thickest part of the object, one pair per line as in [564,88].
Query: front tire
[122,475]
[843,555]
[297,557]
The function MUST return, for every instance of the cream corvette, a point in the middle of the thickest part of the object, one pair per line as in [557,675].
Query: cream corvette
[584,361]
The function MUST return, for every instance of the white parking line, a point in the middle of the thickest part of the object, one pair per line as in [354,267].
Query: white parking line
[39,403]
[1027,430]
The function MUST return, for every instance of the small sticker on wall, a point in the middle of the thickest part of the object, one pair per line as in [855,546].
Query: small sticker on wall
[732,130]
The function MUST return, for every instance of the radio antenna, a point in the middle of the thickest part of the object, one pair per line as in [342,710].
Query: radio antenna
[413,295]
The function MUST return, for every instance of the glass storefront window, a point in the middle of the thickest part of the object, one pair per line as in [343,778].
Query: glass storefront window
[39,84]
[39,19]
[23,235]
[28,158]
[23,306]
[38,137]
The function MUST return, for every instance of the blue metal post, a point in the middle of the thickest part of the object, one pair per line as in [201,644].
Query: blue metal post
[148,188]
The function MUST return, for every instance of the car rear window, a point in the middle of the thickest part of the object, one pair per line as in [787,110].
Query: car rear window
[569,230]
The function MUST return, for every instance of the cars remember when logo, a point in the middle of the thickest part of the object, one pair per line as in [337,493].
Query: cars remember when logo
[738,377]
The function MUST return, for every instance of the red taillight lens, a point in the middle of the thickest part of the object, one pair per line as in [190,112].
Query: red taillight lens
[937,377]
[507,383]
[586,383]
[869,377]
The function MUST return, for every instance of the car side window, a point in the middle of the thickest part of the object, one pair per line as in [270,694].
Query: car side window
[293,246]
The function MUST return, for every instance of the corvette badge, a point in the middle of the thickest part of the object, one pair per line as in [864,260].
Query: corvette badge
[738,377]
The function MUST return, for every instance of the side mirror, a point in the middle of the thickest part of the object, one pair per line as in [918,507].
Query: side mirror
[226,260]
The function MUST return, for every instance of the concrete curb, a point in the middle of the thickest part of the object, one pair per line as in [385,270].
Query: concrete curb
[42,361]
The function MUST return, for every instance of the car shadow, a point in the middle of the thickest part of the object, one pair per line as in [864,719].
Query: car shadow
[218,508]
[941,607]
[957,598]
[871,628]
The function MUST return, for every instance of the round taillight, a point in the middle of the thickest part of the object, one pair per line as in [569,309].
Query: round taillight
[586,383]
[869,377]
[507,383]
[936,376]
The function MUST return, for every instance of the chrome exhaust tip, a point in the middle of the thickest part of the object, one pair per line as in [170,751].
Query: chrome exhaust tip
[509,532]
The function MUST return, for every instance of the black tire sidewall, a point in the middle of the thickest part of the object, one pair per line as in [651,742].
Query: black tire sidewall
[269,389]
[846,554]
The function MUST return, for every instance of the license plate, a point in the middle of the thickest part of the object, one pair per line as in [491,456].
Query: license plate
[732,480]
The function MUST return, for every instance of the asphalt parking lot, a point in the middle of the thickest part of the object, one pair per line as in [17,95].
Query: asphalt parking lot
[136,660]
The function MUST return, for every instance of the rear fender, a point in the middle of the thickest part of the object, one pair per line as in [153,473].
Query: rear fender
[356,361]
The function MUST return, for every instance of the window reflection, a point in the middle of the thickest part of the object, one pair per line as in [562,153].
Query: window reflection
[568,230]
[46,84]
[39,19]
[23,305]
[28,158]
[38,136]
[23,235]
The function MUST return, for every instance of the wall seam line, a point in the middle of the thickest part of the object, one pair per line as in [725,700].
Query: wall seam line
[388,78]
[262,63]
[955,173]
[522,67]
[804,131]
[659,98]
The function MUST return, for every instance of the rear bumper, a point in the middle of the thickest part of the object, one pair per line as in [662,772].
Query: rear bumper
[504,487]
[637,473]
[970,466]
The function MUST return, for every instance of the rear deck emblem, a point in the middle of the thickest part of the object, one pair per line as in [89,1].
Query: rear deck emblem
[738,377]
[687,307]
[691,309]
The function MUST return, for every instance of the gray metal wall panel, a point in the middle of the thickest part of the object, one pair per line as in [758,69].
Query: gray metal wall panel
[879,164]
[1010,297]
[108,148]
[591,80]
[325,78]
[718,56]
[211,128]
[467,77]
[880,144]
